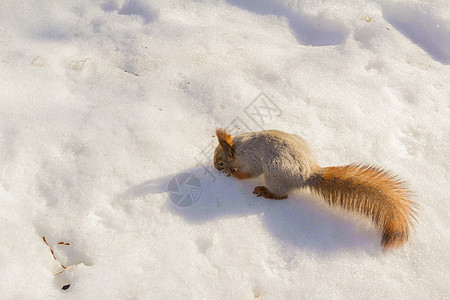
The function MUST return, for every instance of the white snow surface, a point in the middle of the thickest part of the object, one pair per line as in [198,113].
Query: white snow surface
[103,104]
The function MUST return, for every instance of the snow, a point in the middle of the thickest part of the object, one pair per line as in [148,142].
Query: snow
[105,106]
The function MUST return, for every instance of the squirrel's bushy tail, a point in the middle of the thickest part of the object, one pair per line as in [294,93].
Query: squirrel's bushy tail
[371,191]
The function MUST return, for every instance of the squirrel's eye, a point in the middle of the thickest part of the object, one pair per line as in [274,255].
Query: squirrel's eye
[221,164]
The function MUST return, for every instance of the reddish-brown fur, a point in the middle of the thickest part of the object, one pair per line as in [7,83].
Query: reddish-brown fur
[370,191]
[288,163]
[240,175]
[222,135]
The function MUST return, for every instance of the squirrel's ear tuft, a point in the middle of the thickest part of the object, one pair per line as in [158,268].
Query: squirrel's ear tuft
[225,141]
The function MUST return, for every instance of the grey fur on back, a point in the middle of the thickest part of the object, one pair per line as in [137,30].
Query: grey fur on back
[285,159]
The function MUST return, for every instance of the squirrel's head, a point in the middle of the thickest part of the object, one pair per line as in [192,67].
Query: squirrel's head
[224,153]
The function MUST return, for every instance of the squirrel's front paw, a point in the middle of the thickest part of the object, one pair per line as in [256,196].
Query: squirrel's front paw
[262,191]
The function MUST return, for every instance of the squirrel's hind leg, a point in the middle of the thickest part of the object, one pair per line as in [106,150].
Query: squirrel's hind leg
[262,191]
[277,188]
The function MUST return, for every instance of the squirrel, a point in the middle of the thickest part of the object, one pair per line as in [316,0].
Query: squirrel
[288,163]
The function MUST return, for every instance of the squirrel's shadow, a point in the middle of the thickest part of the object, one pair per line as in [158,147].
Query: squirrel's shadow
[302,220]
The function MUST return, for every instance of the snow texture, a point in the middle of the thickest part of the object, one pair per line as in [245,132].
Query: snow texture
[107,118]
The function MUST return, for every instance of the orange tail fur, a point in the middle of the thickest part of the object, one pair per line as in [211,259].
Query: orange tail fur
[372,192]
